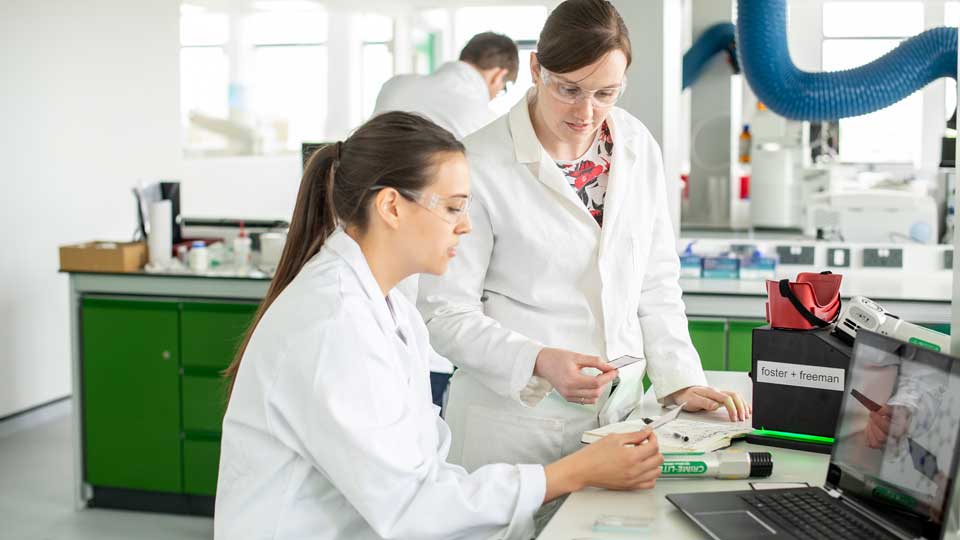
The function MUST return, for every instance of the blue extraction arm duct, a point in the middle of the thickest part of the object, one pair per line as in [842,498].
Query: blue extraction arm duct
[801,95]
[719,37]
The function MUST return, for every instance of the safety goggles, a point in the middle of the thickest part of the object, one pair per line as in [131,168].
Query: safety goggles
[453,210]
[570,93]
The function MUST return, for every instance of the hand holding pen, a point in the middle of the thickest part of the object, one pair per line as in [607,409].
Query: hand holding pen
[884,421]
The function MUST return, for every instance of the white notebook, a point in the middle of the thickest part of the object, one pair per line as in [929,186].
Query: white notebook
[700,436]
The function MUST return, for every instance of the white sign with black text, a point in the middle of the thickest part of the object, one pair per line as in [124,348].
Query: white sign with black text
[821,378]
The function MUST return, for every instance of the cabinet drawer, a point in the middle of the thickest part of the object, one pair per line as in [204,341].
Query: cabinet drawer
[201,464]
[211,332]
[204,403]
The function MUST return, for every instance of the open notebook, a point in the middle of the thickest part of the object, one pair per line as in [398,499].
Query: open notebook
[680,435]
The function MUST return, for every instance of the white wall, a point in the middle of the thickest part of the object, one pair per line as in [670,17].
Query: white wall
[89,104]
[655,81]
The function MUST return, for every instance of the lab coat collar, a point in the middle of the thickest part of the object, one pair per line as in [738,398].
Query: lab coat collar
[349,250]
[527,146]
[530,152]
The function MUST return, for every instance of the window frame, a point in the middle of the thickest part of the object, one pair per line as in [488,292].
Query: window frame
[824,39]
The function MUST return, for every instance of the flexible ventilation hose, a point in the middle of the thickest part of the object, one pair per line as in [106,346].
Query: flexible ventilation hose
[801,95]
[716,38]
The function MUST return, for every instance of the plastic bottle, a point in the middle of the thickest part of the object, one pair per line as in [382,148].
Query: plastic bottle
[745,141]
[199,260]
[241,250]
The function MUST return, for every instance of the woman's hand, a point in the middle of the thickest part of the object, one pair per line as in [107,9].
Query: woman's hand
[562,369]
[705,398]
[621,461]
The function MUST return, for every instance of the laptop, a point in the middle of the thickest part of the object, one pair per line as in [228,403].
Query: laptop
[893,464]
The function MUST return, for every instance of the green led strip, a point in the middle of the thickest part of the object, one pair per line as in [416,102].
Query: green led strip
[793,436]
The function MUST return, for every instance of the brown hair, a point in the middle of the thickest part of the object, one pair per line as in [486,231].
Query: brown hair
[395,149]
[489,50]
[578,33]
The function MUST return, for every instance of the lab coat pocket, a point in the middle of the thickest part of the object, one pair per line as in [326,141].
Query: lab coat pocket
[493,436]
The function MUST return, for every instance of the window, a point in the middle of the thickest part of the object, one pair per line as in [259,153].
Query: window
[521,23]
[252,82]
[203,76]
[855,33]
[288,90]
[377,58]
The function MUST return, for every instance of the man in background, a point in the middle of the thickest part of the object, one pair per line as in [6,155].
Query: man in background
[457,97]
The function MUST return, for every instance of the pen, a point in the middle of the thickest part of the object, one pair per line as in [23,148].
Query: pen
[676,435]
[865,401]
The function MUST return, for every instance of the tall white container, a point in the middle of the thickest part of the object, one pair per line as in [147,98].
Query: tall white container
[160,238]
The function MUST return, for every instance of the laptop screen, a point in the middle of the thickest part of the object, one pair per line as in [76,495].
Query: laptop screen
[896,442]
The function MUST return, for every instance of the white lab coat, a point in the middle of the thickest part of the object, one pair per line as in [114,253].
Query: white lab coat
[538,271]
[456,98]
[331,433]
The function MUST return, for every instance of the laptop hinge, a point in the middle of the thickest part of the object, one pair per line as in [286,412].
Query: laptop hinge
[866,512]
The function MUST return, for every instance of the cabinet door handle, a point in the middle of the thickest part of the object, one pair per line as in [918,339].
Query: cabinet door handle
[165,355]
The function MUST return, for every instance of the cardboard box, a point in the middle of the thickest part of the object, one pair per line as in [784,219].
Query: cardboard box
[101,256]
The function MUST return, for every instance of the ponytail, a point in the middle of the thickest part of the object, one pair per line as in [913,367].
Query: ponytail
[394,150]
[311,225]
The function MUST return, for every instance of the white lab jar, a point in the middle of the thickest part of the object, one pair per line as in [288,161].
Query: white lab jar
[241,252]
[271,248]
[199,257]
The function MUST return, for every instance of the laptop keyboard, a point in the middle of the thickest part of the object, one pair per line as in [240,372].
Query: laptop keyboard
[811,515]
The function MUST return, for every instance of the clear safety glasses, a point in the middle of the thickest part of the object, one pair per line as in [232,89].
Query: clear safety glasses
[453,210]
[570,93]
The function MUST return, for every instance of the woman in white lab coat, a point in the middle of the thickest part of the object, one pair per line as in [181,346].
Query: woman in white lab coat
[571,263]
[330,431]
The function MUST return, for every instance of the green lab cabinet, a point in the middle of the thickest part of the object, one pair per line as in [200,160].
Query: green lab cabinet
[153,392]
[204,402]
[724,344]
[211,332]
[201,463]
[740,344]
[131,394]
[710,339]
[727,344]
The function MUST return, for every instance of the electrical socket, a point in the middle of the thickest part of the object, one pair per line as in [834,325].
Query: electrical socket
[795,255]
[883,258]
[838,257]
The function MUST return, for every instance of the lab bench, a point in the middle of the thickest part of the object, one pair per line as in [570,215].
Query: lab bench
[148,350]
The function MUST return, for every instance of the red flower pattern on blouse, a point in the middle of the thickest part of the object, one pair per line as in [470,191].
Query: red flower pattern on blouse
[585,175]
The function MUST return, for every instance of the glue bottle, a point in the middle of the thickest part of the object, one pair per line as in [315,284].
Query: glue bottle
[726,465]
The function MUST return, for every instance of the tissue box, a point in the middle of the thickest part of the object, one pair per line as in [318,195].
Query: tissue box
[691,266]
[721,268]
[103,256]
[759,268]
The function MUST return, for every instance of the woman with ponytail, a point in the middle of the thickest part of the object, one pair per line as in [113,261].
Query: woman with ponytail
[330,431]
